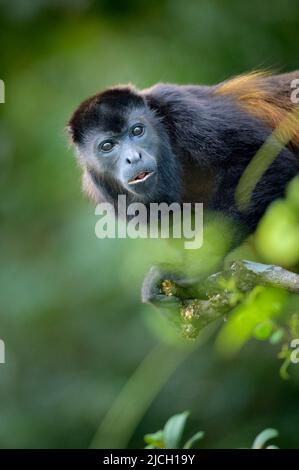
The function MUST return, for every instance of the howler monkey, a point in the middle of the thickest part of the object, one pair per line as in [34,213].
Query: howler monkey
[187,143]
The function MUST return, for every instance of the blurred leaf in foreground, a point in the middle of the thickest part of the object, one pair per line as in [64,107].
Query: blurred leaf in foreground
[171,436]
[263,437]
[261,305]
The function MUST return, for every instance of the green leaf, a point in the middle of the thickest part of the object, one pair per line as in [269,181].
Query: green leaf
[277,336]
[294,325]
[193,440]
[173,430]
[155,439]
[276,238]
[293,193]
[263,437]
[261,305]
[263,330]
[283,371]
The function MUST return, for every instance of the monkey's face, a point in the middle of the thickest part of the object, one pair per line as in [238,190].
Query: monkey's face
[123,148]
[125,153]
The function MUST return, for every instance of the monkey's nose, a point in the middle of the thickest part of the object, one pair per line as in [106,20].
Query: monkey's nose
[133,158]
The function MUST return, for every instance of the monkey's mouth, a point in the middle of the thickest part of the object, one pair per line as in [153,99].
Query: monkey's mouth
[140,177]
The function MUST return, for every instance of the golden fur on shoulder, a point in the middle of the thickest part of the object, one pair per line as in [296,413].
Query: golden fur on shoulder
[268,97]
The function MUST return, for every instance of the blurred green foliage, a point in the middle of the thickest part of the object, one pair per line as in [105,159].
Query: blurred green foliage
[70,311]
[278,234]
[172,434]
[170,437]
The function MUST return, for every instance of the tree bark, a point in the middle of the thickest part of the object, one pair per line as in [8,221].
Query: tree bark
[215,300]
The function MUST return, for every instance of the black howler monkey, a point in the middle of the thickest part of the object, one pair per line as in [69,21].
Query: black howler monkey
[173,143]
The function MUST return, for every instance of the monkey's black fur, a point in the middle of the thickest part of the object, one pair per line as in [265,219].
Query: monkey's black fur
[200,141]
[204,137]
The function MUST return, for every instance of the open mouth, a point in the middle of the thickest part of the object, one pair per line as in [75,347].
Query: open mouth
[140,177]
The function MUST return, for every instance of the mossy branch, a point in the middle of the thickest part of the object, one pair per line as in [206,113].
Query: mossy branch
[215,299]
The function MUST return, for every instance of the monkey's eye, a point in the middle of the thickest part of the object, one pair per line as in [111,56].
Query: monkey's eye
[137,130]
[106,146]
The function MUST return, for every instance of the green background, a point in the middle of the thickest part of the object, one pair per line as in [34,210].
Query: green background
[70,311]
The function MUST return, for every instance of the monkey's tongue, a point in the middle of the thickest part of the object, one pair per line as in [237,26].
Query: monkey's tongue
[139,177]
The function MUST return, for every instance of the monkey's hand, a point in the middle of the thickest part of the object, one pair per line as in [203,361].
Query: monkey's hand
[165,287]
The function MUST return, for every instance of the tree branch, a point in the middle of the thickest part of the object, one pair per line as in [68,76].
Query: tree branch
[215,300]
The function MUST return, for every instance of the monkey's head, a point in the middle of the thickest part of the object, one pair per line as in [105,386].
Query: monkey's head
[123,148]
